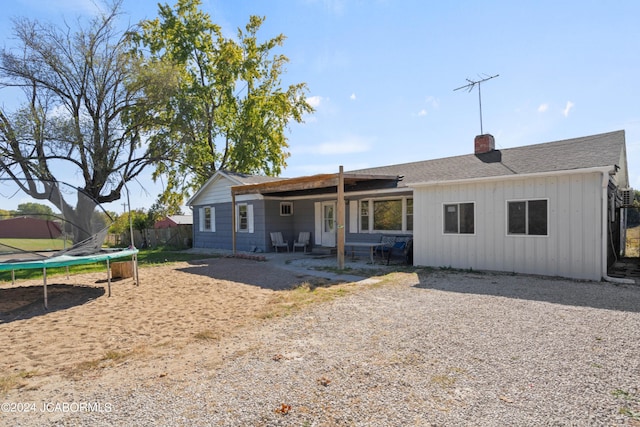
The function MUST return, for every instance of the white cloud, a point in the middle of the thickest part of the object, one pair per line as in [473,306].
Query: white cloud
[568,108]
[314,101]
[433,102]
[353,97]
[543,107]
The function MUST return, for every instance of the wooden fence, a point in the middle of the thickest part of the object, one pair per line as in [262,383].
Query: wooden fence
[179,237]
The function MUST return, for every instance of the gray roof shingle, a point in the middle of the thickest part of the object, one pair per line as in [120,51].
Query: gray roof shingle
[570,154]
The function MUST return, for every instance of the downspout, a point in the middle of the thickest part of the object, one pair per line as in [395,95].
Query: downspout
[605,233]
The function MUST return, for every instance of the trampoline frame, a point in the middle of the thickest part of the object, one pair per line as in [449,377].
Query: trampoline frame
[68,260]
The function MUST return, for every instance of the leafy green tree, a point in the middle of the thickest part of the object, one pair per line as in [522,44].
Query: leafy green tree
[35,209]
[231,111]
[82,90]
[157,211]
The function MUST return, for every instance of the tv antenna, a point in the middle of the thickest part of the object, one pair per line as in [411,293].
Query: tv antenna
[470,87]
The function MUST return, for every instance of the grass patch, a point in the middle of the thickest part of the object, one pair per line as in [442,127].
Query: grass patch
[110,358]
[206,335]
[146,258]
[631,407]
[36,244]
[13,381]
[284,303]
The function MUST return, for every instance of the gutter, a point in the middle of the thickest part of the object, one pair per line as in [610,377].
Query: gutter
[605,231]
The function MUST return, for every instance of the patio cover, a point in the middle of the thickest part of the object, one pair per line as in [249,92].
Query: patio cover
[315,184]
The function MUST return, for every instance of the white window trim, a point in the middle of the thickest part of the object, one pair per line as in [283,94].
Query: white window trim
[371,201]
[526,224]
[290,204]
[458,204]
[212,219]
[249,218]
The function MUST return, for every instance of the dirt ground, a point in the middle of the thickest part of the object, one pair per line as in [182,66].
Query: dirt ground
[84,329]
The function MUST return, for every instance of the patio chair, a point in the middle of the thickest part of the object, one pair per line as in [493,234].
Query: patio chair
[386,242]
[403,248]
[278,242]
[303,241]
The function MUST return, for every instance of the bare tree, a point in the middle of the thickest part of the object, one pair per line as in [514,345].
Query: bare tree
[78,117]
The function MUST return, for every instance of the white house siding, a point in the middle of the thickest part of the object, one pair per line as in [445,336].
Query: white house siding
[572,247]
[217,191]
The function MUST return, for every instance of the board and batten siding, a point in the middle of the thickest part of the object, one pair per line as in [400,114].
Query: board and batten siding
[572,248]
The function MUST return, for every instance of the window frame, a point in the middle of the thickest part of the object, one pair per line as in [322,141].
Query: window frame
[458,218]
[286,206]
[248,207]
[369,210]
[203,219]
[527,219]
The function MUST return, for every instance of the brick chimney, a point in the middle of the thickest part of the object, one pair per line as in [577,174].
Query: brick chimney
[484,143]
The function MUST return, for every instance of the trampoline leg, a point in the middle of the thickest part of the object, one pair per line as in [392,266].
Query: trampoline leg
[44,282]
[108,279]
[135,268]
[13,277]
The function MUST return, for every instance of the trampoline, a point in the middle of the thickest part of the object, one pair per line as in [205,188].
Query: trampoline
[68,229]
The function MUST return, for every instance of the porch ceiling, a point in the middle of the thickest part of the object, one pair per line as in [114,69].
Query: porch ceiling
[311,184]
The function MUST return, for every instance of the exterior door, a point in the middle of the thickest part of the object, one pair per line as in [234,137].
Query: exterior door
[329,224]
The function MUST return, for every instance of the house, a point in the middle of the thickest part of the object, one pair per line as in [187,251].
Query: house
[29,228]
[172,230]
[551,209]
[172,221]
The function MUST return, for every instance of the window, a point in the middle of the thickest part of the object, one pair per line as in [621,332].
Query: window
[207,219]
[386,215]
[527,217]
[409,214]
[364,215]
[244,218]
[459,218]
[286,208]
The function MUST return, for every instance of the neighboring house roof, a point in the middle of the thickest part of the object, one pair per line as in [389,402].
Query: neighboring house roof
[29,228]
[603,150]
[174,221]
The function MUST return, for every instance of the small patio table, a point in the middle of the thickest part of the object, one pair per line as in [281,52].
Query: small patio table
[353,245]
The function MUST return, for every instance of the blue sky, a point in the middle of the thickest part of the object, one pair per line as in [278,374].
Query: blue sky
[382,73]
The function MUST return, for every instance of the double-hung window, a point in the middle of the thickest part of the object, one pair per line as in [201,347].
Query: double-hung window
[208,219]
[244,218]
[527,217]
[459,218]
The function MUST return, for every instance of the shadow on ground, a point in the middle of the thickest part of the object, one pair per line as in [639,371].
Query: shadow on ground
[25,302]
[256,273]
[601,295]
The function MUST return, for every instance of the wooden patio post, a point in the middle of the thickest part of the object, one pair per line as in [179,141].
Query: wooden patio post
[341,219]
[233,221]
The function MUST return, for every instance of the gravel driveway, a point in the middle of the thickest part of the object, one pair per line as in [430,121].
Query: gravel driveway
[441,348]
